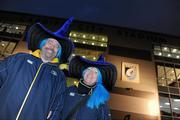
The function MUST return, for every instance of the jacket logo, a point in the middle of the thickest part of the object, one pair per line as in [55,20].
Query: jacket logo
[72,94]
[54,72]
[49,114]
[30,62]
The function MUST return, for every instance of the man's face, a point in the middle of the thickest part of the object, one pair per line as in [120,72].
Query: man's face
[90,76]
[49,50]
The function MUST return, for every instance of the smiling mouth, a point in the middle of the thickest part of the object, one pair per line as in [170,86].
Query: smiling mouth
[49,50]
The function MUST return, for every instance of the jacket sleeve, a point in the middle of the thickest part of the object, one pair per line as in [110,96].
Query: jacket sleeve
[104,112]
[4,66]
[56,110]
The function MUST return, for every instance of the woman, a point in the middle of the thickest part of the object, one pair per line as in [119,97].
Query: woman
[88,100]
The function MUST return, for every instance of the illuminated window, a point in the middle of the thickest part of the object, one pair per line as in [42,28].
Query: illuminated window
[161,76]
[10,48]
[88,54]
[165,51]
[89,39]
[170,77]
[6,48]
[165,105]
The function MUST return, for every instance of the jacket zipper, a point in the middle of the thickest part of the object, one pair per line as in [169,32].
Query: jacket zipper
[27,94]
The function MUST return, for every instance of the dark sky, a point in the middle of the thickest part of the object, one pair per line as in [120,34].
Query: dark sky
[161,16]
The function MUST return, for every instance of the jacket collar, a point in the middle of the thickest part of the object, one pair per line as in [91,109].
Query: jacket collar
[37,53]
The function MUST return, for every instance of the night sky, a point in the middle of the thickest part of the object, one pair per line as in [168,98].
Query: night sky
[162,16]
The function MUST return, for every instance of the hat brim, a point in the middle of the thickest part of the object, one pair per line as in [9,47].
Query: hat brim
[109,72]
[38,32]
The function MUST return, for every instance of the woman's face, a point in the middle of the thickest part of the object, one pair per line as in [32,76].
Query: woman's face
[90,76]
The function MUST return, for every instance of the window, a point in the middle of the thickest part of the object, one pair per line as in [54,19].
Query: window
[6,48]
[12,28]
[89,39]
[165,105]
[161,76]
[88,54]
[168,76]
[175,106]
[166,51]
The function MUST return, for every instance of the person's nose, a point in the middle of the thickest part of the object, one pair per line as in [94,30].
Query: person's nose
[51,46]
[92,74]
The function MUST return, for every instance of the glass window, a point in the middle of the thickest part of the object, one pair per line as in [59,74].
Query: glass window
[161,76]
[157,48]
[3,46]
[103,38]
[90,39]
[166,118]
[163,89]
[165,49]
[167,54]
[178,52]
[159,53]
[178,74]
[176,56]
[89,54]
[175,106]
[174,50]
[170,77]
[173,90]
[165,105]
[10,48]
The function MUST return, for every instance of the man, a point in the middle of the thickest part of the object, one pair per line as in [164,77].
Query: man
[32,86]
[88,101]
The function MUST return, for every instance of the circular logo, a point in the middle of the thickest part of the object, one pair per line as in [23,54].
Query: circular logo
[130,73]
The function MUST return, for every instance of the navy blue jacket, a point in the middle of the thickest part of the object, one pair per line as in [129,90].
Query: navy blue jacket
[83,113]
[46,97]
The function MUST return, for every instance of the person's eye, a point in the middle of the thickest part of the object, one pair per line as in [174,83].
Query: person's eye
[89,68]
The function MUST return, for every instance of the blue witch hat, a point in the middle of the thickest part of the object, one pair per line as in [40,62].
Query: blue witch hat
[109,72]
[38,32]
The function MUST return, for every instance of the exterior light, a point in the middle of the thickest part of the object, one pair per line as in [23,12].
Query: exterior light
[160,54]
[176,100]
[74,35]
[165,48]
[167,103]
[174,50]
[169,55]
